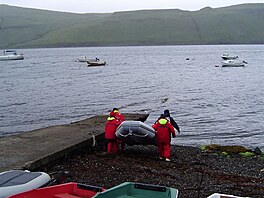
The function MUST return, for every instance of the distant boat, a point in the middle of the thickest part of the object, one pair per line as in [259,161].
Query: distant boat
[227,57]
[96,62]
[11,55]
[84,59]
[233,63]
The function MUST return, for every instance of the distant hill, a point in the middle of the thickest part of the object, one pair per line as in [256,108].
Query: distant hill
[25,28]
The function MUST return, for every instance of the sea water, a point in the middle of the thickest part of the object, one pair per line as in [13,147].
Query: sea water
[211,104]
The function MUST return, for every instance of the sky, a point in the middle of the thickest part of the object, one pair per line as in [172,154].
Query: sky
[109,6]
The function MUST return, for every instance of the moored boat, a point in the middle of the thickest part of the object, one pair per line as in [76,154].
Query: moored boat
[227,57]
[17,181]
[96,63]
[85,59]
[67,190]
[136,133]
[134,190]
[11,55]
[233,63]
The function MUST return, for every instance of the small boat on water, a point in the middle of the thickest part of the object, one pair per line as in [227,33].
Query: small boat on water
[67,190]
[96,63]
[136,133]
[233,63]
[85,59]
[17,181]
[136,190]
[227,57]
[11,55]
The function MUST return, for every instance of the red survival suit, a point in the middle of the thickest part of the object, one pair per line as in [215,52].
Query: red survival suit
[110,129]
[163,129]
[120,117]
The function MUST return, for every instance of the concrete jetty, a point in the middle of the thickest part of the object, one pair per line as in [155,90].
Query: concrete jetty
[32,149]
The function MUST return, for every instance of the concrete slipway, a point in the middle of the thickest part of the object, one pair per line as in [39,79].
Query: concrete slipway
[30,150]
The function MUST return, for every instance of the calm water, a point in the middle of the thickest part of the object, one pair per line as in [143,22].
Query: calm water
[211,104]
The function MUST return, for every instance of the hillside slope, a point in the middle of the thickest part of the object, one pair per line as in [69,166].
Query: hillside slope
[240,24]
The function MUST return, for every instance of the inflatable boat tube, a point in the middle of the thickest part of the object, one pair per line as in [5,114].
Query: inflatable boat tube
[136,133]
[17,181]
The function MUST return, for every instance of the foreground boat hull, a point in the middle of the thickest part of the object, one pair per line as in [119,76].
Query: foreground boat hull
[17,181]
[136,133]
[136,190]
[66,190]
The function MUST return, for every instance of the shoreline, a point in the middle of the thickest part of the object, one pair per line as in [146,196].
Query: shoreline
[195,173]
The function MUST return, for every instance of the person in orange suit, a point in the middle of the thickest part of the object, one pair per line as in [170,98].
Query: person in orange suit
[164,130]
[110,129]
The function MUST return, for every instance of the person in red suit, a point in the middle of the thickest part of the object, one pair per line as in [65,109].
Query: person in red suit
[110,129]
[120,117]
[164,130]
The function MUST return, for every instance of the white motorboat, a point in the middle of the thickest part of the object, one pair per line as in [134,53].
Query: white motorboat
[85,59]
[11,55]
[227,57]
[17,181]
[96,63]
[233,63]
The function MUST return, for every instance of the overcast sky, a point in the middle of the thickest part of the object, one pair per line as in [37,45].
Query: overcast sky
[102,6]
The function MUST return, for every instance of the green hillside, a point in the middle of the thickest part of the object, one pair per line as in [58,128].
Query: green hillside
[240,24]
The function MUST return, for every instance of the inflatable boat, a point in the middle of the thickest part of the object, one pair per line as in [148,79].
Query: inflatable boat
[135,190]
[136,133]
[67,190]
[17,181]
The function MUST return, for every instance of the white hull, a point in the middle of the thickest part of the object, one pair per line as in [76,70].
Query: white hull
[11,57]
[96,63]
[17,181]
[233,63]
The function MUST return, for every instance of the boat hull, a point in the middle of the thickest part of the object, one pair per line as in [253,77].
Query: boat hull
[96,63]
[233,63]
[66,190]
[11,57]
[135,190]
[136,133]
[17,181]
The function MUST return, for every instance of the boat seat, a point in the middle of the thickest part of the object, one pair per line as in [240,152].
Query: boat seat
[65,195]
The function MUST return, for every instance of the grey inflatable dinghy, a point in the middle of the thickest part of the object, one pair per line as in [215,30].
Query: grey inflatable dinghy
[136,133]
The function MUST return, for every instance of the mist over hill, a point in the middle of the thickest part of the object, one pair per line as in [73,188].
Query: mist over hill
[29,28]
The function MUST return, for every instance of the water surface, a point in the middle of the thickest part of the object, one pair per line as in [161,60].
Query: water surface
[210,104]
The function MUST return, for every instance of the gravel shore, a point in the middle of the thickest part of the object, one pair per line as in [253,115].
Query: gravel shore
[193,172]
